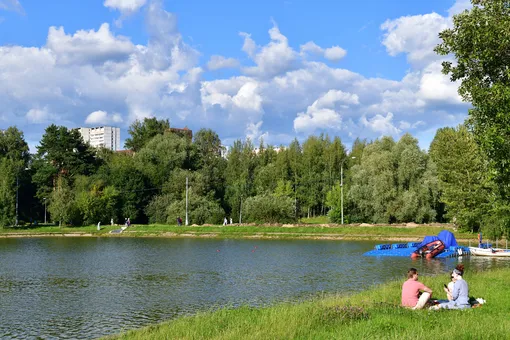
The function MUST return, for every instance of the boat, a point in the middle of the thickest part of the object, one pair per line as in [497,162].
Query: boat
[429,250]
[431,246]
[492,252]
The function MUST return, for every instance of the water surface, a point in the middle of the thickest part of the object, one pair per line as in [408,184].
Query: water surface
[90,287]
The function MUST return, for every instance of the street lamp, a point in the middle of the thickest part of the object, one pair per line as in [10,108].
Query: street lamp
[342,187]
[44,199]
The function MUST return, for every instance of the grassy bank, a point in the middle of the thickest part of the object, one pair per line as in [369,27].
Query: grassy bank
[371,314]
[378,232]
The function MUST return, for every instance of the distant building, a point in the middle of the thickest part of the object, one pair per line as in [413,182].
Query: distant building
[102,137]
[184,132]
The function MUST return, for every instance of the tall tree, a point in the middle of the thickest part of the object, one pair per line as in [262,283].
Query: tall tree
[62,152]
[142,132]
[462,173]
[480,42]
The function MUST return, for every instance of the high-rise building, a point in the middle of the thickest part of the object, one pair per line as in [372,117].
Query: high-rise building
[102,137]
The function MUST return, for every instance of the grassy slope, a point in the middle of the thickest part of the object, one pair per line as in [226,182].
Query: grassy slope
[371,314]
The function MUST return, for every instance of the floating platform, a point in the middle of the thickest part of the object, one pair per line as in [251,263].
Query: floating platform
[406,249]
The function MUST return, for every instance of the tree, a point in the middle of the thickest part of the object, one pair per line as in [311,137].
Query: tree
[61,153]
[462,173]
[268,209]
[14,159]
[161,156]
[61,201]
[142,132]
[480,42]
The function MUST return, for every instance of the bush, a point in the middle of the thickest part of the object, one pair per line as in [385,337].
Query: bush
[268,209]
[201,210]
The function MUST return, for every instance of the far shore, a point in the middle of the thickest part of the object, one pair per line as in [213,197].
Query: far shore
[389,233]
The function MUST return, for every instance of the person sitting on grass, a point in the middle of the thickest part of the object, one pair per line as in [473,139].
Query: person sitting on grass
[459,296]
[411,290]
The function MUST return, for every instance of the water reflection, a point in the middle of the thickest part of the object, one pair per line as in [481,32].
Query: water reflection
[88,287]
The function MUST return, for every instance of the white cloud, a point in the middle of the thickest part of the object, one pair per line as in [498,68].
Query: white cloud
[381,124]
[38,116]
[126,7]
[102,117]
[11,5]
[323,113]
[274,59]
[414,35]
[435,86]
[218,62]
[334,53]
[311,47]
[459,6]
[86,47]
[254,134]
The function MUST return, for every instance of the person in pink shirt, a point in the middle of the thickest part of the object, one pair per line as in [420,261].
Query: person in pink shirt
[411,291]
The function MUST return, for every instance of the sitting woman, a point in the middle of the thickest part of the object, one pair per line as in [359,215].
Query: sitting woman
[458,295]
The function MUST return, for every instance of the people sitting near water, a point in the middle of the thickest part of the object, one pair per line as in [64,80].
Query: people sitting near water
[458,298]
[414,293]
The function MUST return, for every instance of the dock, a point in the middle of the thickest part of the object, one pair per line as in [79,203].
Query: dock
[406,249]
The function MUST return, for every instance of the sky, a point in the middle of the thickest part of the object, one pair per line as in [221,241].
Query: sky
[276,70]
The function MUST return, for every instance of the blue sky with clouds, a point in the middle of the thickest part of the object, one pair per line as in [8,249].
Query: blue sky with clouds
[261,69]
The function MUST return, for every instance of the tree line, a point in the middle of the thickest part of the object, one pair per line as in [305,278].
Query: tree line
[385,181]
[464,178]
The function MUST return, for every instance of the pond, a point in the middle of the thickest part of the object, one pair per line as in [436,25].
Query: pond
[90,287]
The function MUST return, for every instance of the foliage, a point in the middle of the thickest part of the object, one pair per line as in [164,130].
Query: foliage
[61,201]
[268,209]
[480,40]
[201,210]
[462,174]
[142,132]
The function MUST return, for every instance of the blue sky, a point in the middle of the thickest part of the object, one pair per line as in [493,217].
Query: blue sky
[275,70]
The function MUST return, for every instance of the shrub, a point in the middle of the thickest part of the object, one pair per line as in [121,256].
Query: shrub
[268,209]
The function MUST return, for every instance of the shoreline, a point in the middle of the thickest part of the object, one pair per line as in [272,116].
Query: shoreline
[261,236]
[371,313]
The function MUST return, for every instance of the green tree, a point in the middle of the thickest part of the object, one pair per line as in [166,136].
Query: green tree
[480,42]
[142,132]
[268,209]
[61,201]
[61,153]
[161,155]
[462,173]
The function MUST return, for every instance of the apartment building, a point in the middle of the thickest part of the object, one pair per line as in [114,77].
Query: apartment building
[102,137]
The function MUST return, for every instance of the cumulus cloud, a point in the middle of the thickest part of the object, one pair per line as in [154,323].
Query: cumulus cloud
[323,113]
[218,62]
[383,125]
[414,35]
[280,93]
[334,53]
[86,47]
[102,117]
[459,6]
[271,60]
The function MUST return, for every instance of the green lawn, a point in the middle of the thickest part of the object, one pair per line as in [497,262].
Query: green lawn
[394,233]
[372,314]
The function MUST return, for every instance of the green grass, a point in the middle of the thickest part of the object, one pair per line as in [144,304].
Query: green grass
[372,314]
[315,220]
[394,233]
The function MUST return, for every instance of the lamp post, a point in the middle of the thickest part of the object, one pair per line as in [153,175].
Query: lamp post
[342,187]
[241,209]
[186,222]
[44,199]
